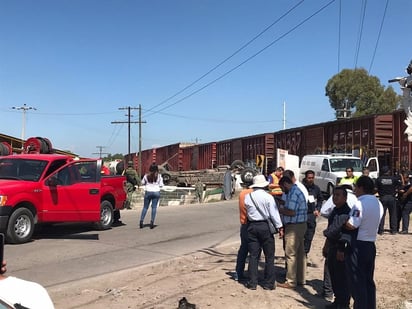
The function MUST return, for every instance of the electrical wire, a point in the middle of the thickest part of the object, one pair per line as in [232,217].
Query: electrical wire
[360,31]
[247,59]
[379,35]
[339,32]
[228,58]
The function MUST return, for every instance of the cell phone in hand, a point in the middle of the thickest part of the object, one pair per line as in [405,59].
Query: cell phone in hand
[1,250]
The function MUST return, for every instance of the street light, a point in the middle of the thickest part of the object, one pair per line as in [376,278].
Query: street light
[23,108]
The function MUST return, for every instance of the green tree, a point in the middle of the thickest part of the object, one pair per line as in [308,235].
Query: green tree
[111,157]
[356,93]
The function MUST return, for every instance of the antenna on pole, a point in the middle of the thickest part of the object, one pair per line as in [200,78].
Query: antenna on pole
[23,108]
[284,115]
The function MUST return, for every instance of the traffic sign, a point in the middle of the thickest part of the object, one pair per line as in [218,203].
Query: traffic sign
[259,160]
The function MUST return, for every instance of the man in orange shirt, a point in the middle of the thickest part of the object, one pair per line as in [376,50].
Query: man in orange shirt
[243,249]
[274,188]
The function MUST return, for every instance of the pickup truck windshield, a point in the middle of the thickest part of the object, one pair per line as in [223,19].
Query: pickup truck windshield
[21,169]
[340,164]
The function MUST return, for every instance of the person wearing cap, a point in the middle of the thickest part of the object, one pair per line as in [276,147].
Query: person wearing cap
[259,235]
[295,215]
[387,187]
[132,180]
[152,181]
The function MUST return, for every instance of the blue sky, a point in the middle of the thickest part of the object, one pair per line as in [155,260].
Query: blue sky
[78,61]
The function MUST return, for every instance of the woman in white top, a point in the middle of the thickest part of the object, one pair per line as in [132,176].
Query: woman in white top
[152,181]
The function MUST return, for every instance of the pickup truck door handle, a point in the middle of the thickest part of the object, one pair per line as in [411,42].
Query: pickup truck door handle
[94,191]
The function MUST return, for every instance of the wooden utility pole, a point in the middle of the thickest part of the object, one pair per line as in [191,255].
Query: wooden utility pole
[129,122]
[100,153]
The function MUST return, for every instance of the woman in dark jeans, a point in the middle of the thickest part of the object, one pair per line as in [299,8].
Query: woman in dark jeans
[152,181]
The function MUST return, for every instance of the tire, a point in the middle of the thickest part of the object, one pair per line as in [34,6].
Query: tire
[106,216]
[247,175]
[166,178]
[227,185]
[237,164]
[329,190]
[21,226]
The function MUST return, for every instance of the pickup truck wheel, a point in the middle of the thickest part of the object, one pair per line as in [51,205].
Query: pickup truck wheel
[21,226]
[106,216]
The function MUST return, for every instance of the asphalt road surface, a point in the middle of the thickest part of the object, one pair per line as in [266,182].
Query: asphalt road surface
[63,253]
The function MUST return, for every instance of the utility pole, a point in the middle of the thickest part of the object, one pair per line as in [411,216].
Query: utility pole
[129,122]
[24,108]
[100,151]
[140,140]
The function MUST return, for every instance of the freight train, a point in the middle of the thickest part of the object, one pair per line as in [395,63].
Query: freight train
[380,136]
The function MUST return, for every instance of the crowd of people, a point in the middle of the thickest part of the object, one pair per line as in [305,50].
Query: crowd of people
[356,216]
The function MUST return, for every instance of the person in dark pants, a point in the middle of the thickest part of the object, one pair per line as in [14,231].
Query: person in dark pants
[334,248]
[361,252]
[387,187]
[259,235]
[243,248]
[327,290]
[314,205]
[406,208]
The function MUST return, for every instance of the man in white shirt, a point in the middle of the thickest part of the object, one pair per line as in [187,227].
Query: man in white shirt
[360,253]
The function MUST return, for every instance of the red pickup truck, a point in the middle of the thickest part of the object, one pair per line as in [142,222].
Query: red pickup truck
[51,188]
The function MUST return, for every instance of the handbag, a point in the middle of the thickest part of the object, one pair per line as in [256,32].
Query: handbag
[272,227]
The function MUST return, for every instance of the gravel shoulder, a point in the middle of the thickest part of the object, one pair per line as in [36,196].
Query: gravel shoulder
[204,279]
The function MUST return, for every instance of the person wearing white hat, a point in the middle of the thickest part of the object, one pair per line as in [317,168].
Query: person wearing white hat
[260,205]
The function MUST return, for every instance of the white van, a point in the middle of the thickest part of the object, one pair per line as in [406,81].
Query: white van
[330,169]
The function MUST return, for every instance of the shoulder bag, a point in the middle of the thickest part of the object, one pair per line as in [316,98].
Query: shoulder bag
[272,227]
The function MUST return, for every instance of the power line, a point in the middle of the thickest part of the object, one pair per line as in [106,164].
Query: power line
[379,35]
[228,58]
[247,60]
[360,31]
[339,32]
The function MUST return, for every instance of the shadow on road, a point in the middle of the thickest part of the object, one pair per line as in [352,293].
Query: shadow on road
[65,231]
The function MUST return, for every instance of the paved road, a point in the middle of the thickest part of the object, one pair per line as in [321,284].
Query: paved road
[65,253]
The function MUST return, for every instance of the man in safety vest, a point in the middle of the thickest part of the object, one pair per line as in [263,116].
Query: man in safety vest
[274,188]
